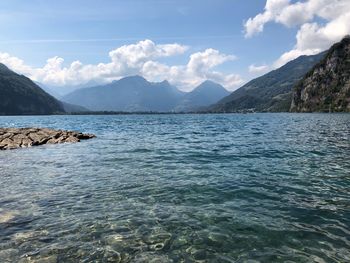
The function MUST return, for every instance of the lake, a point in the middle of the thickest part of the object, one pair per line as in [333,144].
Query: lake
[180,188]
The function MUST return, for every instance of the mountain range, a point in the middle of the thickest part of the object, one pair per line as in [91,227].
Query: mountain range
[136,94]
[21,96]
[271,92]
[307,84]
[318,83]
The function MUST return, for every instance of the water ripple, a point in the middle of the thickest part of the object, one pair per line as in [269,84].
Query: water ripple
[180,188]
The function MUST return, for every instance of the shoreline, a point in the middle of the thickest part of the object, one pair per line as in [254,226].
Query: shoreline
[164,113]
[15,138]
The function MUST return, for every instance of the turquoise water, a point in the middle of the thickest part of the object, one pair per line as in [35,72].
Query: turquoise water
[180,188]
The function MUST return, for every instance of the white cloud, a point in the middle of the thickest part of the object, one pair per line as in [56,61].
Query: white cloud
[258,69]
[202,62]
[14,63]
[291,55]
[139,58]
[313,36]
[272,9]
[199,68]
[136,54]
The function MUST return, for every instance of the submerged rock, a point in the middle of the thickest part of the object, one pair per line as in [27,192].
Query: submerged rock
[6,217]
[13,138]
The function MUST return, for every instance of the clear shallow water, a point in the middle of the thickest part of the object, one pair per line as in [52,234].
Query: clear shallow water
[180,188]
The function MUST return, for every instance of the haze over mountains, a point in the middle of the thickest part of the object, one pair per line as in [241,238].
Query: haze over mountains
[137,94]
[60,91]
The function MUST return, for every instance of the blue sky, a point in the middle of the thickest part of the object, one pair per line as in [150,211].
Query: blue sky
[86,31]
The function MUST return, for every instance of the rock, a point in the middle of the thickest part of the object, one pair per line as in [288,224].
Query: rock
[326,88]
[48,259]
[8,255]
[6,217]
[13,138]
[72,139]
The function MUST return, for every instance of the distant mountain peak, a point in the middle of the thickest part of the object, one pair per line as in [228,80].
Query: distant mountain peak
[134,77]
[203,95]
[135,93]
[209,82]
[210,85]
[131,93]
[165,82]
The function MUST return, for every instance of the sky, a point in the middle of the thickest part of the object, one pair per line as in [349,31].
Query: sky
[73,43]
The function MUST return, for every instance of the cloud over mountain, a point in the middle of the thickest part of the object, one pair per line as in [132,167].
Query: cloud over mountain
[255,69]
[139,58]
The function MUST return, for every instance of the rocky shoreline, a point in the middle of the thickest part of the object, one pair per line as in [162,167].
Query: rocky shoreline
[13,138]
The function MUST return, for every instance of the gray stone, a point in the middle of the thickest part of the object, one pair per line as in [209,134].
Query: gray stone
[13,138]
